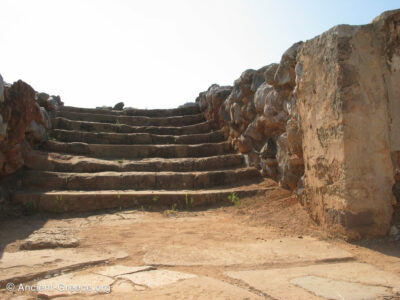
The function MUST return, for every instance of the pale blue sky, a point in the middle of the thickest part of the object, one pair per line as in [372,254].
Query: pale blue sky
[156,53]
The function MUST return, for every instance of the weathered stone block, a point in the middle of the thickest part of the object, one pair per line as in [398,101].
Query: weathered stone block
[346,101]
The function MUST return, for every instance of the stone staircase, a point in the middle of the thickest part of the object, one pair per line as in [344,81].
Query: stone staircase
[99,159]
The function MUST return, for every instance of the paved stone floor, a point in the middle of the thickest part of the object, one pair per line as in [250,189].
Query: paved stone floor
[260,249]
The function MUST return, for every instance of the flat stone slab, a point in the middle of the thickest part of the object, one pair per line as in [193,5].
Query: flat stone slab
[156,278]
[24,266]
[72,284]
[338,289]
[46,238]
[203,288]
[277,251]
[125,287]
[112,271]
[325,281]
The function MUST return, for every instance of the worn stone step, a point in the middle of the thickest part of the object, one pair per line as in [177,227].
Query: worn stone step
[133,120]
[135,138]
[139,151]
[137,112]
[84,201]
[63,123]
[38,160]
[40,180]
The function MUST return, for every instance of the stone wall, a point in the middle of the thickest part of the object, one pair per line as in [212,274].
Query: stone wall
[257,115]
[346,96]
[329,110]
[24,120]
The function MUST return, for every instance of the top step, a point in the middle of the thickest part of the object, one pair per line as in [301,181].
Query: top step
[192,110]
[176,121]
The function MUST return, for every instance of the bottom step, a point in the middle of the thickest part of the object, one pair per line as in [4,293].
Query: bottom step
[79,201]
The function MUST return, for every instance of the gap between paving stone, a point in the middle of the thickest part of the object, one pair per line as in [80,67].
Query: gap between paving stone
[23,266]
[116,270]
[102,281]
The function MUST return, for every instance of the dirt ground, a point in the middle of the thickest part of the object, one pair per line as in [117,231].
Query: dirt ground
[260,233]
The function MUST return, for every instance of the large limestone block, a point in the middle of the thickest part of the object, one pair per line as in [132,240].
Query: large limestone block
[345,94]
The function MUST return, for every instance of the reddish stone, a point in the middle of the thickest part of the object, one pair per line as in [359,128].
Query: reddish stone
[18,110]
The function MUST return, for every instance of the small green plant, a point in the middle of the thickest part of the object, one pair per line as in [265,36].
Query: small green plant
[118,123]
[30,209]
[59,199]
[173,207]
[66,180]
[121,160]
[189,202]
[155,198]
[49,136]
[234,199]
[142,208]
[119,201]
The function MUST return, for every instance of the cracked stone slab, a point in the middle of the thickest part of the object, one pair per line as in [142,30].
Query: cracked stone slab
[324,281]
[24,266]
[156,278]
[46,238]
[112,271]
[203,288]
[339,290]
[123,287]
[73,284]
[277,251]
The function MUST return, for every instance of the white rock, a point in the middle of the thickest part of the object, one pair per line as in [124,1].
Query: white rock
[45,117]
[394,230]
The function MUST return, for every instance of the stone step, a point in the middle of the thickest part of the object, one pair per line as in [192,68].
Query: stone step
[62,123]
[133,121]
[138,151]
[84,201]
[134,138]
[136,112]
[38,160]
[45,180]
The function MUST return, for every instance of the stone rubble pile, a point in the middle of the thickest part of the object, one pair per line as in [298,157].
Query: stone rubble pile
[258,114]
[24,121]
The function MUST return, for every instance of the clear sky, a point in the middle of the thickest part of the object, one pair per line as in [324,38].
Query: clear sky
[156,54]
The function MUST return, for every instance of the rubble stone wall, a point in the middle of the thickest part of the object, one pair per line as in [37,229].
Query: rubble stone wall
[24,120]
